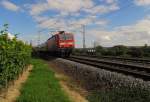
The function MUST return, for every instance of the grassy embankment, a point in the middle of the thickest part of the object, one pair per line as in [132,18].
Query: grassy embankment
[42,86]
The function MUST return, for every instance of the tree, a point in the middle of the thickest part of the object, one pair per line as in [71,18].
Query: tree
[135,52]
[100,50]
[118,50]
[146,50]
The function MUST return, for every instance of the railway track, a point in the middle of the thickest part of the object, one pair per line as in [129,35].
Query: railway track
[135,60]
[139,61]
[137,71]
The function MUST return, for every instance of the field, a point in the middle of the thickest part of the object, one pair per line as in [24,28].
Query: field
[42,86]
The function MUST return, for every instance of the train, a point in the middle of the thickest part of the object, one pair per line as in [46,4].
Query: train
[60,44]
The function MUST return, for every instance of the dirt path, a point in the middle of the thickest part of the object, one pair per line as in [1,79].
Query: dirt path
[13,91]
[75,93]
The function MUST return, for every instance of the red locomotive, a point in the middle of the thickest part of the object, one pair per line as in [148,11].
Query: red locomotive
[60,44]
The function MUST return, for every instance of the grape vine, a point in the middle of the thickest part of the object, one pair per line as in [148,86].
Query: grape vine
[14,57]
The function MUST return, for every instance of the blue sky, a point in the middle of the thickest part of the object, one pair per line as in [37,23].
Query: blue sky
[107,22]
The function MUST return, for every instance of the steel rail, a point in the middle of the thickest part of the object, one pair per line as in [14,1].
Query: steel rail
[127,69]
[133,60]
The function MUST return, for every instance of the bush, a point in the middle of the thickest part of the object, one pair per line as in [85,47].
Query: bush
[14,56]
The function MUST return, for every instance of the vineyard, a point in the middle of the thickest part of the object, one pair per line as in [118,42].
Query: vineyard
[14,57]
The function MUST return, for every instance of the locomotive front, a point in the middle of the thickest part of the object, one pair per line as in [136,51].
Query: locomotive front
[60,44]
[65,43]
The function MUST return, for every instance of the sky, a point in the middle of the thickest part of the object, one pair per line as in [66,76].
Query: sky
[107,22]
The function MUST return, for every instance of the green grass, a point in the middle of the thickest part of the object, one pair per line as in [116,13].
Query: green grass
[42,86]
[120,95]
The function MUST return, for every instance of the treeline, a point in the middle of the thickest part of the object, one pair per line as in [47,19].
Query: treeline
[14,57]
[119,50]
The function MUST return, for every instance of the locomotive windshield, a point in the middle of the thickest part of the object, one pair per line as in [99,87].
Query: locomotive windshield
[65,36]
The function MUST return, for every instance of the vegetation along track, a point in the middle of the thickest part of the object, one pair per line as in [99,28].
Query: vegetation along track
[128,69]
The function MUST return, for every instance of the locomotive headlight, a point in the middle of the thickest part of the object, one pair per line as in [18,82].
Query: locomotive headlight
[70,43]
[62,43]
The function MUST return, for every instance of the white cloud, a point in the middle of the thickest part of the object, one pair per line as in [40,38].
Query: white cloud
[136,34]
[62,6]
[67,7]
[58,22]
[109,1]
[101,9]
[9,5]
[39,8]
[142,2]
[140,26]
[70,6]
[101,22]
